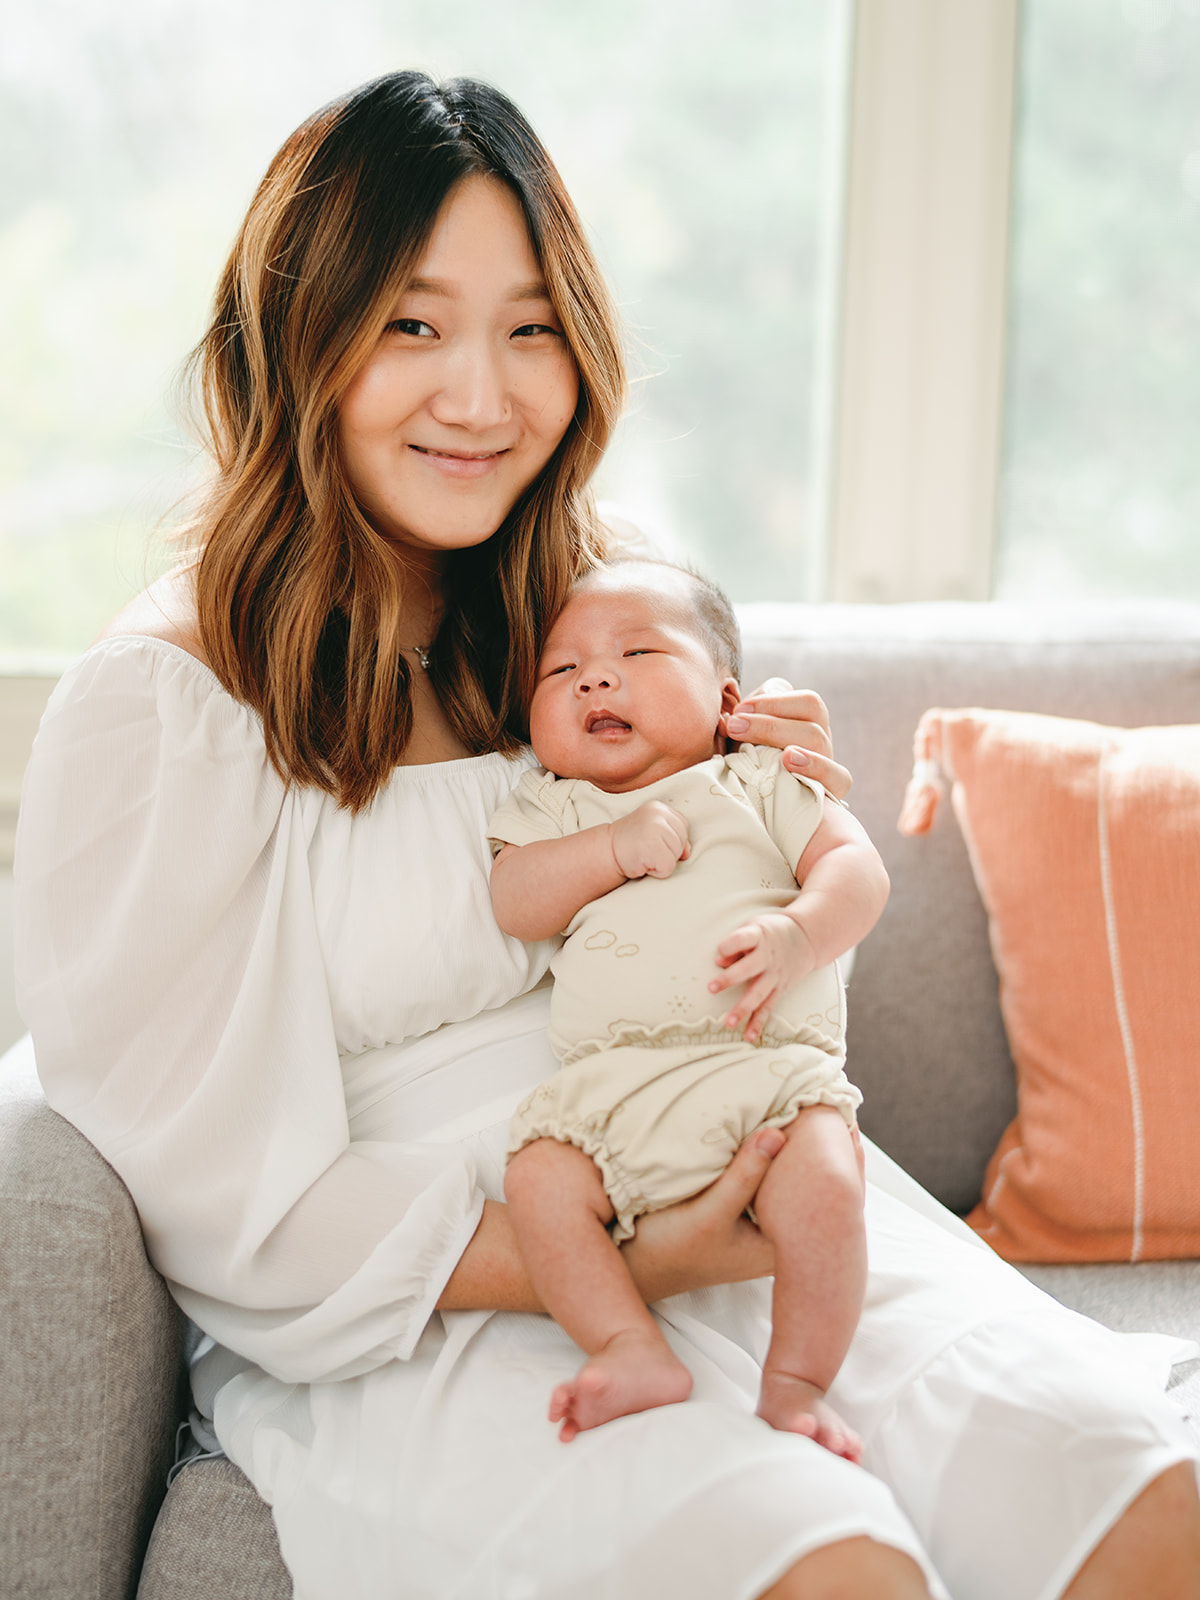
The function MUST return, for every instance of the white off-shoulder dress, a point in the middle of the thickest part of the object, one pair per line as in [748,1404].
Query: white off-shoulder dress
[298,1036]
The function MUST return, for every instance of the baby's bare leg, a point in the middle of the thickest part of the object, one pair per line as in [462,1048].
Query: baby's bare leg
[810,1206]
[559,1212]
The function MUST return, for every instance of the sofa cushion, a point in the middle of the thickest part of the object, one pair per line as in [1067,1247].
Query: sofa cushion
[214,1540]
[1085,841]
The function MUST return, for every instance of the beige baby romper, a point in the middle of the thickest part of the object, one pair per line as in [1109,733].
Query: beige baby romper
[653,1086]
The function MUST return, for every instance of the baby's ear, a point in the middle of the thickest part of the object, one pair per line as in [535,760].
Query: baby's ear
[730,696]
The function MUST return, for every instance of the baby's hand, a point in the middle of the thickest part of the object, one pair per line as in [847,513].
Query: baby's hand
[769,955]
[650,841]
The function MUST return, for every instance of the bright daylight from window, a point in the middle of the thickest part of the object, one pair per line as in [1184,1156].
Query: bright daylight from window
[1100,490]
[691,136]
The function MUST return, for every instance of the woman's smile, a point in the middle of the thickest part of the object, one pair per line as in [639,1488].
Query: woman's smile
[458,463]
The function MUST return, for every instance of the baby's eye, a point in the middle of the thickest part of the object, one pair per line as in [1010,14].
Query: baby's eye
[411,326]
[642,652]
[554,672]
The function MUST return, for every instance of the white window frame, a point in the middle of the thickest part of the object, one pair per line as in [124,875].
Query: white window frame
[911,374]
[913,393]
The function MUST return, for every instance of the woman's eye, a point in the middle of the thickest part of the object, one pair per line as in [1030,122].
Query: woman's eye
[411,326]
[530,330]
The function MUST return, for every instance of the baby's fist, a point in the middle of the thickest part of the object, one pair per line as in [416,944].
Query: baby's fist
[649,841]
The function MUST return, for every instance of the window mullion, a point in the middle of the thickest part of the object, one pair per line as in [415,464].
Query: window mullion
[915,392]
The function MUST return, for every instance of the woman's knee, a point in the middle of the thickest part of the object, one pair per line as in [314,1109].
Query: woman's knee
[852,1569]
[1153,1549]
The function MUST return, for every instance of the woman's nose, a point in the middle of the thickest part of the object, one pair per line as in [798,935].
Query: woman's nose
[475,391]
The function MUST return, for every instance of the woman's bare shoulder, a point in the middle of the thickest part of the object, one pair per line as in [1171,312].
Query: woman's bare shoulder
[166,610]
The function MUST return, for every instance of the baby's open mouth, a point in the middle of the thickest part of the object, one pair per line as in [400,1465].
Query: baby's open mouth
[604,722]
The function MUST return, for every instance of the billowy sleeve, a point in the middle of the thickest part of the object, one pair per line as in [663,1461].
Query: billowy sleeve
[169,969]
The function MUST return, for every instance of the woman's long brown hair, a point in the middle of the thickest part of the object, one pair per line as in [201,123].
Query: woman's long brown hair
[298,596]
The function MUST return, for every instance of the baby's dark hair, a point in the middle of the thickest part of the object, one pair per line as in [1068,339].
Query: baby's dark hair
[716,621]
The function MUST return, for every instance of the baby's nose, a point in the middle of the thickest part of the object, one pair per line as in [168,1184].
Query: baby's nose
[595,678]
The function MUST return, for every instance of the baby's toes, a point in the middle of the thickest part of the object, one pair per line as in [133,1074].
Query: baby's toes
[841,1440]
[853,1449]
[561,1401]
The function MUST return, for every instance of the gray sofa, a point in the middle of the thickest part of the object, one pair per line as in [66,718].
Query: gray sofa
[92,1348]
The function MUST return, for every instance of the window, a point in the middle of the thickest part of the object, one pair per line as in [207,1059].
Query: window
[1001,420]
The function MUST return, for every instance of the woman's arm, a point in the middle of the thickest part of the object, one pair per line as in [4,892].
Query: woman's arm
[795,721]
[171,968]
[701,1242]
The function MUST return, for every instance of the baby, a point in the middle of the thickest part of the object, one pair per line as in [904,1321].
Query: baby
[673,871]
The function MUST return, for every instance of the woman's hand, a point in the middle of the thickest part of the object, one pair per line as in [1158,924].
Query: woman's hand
[796,722]
[693,1245]
[708,1239]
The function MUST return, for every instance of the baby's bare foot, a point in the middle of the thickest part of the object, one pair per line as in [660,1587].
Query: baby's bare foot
[793,1405]
[633,1372]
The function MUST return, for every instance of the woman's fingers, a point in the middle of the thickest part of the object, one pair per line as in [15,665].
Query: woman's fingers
[832,777]
[784,716]
[795,721]
[735,1189]
[776,698]
[755,725]
[707,1239]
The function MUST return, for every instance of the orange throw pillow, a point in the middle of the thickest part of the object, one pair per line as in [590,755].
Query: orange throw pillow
[1085,842]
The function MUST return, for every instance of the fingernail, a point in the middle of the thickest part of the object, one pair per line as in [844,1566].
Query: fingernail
[738,725]
[798,758]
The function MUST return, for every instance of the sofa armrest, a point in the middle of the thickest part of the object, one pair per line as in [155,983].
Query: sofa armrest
[91,1359]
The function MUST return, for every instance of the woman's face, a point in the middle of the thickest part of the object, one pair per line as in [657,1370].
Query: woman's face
[471,386]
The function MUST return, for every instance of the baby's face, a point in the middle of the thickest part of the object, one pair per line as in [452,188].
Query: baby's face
[626,690]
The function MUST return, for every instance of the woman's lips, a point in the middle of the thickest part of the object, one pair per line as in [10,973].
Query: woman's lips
[460,464]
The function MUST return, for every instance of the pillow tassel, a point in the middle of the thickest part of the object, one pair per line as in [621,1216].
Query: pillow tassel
[926,787]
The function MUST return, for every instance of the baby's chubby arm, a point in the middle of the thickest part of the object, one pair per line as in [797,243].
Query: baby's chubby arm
[843,889]
[537,888]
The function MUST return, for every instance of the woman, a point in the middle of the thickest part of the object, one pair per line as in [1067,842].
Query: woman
[261,973]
